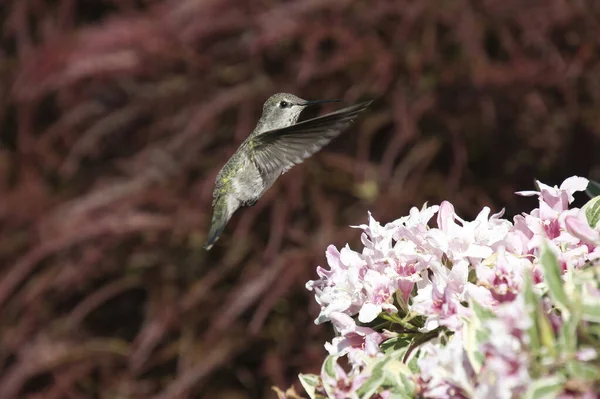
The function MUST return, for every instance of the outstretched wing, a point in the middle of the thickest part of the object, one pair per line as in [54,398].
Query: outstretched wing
[276,151]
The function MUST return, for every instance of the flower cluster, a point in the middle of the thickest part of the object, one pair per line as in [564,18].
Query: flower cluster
[465,308]
[448,371]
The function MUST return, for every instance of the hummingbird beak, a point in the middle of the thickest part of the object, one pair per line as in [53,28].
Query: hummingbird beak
[315,102]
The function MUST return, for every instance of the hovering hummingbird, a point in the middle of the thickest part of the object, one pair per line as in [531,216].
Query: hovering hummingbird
[274,146]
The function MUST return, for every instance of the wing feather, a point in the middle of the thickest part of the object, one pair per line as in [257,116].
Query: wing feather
[276,151]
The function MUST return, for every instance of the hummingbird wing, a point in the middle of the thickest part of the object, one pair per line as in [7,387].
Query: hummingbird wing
[276,151]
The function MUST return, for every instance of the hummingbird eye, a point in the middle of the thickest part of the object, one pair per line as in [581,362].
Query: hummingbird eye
[284,104]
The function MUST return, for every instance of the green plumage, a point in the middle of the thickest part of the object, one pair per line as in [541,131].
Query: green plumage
[274,146]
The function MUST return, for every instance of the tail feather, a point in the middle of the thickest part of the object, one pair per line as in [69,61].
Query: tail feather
[213,235]
[219,220]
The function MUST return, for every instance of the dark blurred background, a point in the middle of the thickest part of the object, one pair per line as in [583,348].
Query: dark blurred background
[116,115]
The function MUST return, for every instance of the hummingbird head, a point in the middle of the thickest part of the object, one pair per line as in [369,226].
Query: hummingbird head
[283,109]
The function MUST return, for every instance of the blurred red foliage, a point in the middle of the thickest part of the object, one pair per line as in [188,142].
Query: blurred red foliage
[115,117]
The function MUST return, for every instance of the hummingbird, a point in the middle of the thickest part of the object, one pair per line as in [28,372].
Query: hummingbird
[276,144]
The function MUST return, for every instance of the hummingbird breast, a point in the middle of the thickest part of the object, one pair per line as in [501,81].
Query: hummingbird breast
[247,184]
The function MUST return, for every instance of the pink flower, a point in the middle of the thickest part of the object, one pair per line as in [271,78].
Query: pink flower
[504,278]
[517,240]
[365,283]
[440,299]
[579,227]
[557,199]
[563,229]
[437,271]
[586,354]
[378,290]
[474,240]
[376,238]
[353,340]
[345,384]
[340,288]
[504,373]
[446,371]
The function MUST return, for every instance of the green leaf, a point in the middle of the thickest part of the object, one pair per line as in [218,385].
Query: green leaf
[389,373]
[592,212]
[329,366]
[396,319]
[541,334]
[400,395]
[568,337]
[375,381]
[546,333]
[532,304]
[407,389]
[475,335]
[585,303]
[402,341]
[413,363]
[481,312]
[591,311]
[329,375]
[543,388]
[399,376]
[581,370]
[420,339]
[309,383]
[552,277]
[593,189]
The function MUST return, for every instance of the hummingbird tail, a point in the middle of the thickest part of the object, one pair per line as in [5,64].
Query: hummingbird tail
[215,231]
[219,220]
